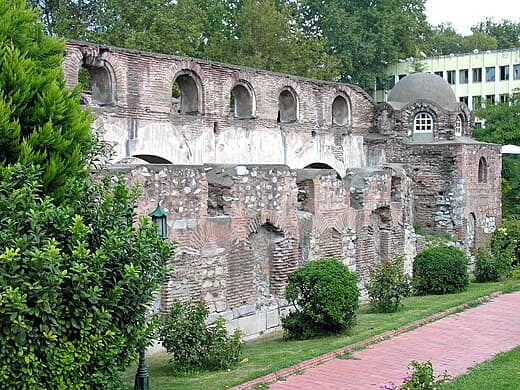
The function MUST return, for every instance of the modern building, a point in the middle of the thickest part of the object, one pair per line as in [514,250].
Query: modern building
[476,78]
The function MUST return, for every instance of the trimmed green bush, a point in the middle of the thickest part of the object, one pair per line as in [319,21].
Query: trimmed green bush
[194,345]
[486,267]
[388,285]
[325,296]
[440,270]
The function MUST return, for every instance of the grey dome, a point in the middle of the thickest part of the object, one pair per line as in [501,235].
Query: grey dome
[426,86]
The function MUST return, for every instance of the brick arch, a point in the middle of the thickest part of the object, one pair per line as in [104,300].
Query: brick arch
[75,58]
[411,110]
[185,66]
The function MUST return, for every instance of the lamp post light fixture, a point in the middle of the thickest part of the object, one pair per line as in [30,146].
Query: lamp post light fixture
[159,219]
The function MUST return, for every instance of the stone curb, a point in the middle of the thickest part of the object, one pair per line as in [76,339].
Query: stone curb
[285,372]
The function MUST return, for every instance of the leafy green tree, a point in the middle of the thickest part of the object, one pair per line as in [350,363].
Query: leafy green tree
[270,38]
[76,269]
[502,126]
[41,122]
[506,32]
[365,35]
[442,40]
[478,41]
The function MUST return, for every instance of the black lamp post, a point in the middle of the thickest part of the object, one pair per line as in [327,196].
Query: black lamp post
[141,377]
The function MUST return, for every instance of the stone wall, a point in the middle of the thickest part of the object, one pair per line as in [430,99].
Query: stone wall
[269,221]
[142,119]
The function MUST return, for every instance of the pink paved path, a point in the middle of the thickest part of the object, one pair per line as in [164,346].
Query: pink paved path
[454,343]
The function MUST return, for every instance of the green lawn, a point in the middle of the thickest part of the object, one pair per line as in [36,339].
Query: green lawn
[500,373]
[264,357]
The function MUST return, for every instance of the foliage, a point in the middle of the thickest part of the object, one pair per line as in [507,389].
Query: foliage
[388,285]
[193,344]
[506,32]
[440,270]
[365,35]
[74,283]
[41,121]
[269,37]
[325,296]
[505,242]
[503,127]
[444,39]
[486,267]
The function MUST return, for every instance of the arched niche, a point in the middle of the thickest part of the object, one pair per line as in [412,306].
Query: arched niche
[98,84]
[341,111]
[186,92]
[287,106]
[243,101]
[482,170]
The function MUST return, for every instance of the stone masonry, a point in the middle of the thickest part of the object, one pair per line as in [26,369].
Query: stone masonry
[263,172]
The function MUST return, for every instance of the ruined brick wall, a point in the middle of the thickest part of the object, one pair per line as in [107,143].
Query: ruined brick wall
[236,257]
[447,190]
[142,119]
[482,201]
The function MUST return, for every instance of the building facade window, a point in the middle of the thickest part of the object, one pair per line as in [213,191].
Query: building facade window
[516,72]
[463,76]
[464,99]
[459,124]
[504,73]
[440,73]
[450,76]
[490,73]
[482,170]
[477,75]
[423,123]
[402,76]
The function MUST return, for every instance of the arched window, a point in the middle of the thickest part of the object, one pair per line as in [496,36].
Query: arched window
[98,85]
[185,93]
[340,111]
[243,101]
[423,123]
[459,124]
[482,170]
[287,107]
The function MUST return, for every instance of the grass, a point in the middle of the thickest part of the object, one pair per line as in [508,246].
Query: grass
[500,373]
[268,355]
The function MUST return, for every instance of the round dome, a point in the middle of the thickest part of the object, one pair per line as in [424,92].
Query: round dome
[425,86]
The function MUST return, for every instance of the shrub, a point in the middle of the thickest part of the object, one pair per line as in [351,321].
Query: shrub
[73,287]
[325,296]
[388,285]
[486,267]
[440,270]
[505,245]
[195,345]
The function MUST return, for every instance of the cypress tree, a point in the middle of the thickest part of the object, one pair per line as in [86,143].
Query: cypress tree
[41,122]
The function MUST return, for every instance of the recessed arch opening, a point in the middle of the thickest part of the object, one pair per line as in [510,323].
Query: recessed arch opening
[322,166]
[341,111]
[287,107]
[459,125]
[242,101]
[152,159]
[97,84]
[482,170]
[186,93]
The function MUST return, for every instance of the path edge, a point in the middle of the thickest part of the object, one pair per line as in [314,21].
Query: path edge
[306,364]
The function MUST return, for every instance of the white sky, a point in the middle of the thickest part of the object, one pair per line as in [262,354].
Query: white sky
[465,13]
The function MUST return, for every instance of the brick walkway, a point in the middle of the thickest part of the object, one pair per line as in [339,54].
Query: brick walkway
[454,343]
